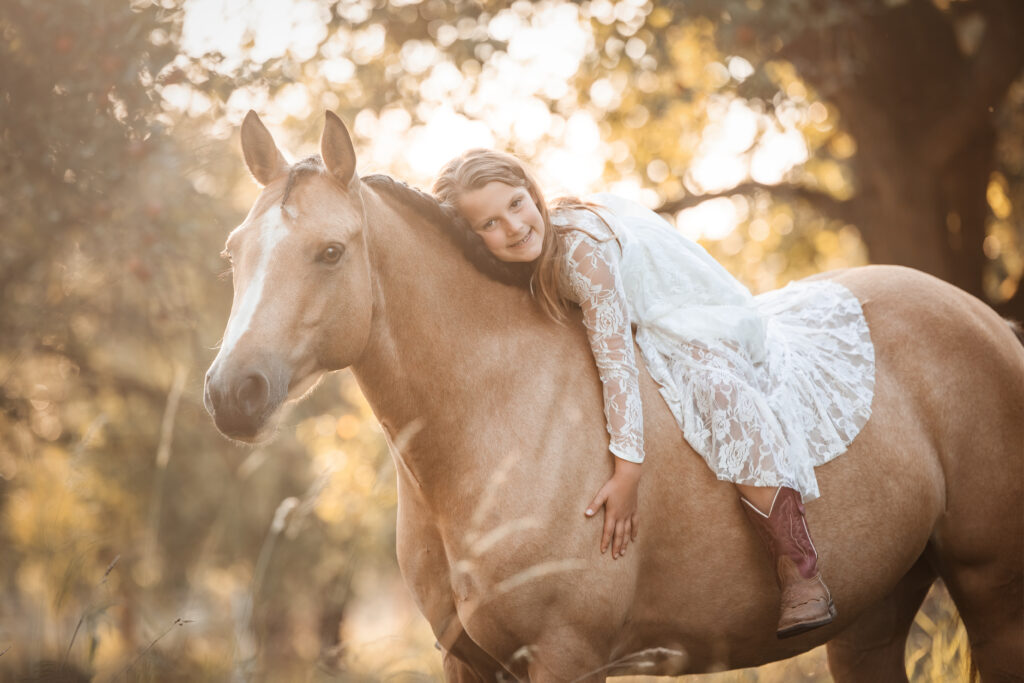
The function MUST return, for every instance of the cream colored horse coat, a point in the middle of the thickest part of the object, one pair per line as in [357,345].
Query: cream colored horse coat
[498,436]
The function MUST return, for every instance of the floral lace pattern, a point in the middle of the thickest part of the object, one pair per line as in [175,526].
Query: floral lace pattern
[765,388]
[594,282]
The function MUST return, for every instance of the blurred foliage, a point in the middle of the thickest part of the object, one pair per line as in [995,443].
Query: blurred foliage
[137,543]
[122,510]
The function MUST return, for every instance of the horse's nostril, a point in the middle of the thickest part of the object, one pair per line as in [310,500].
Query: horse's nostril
[252,394]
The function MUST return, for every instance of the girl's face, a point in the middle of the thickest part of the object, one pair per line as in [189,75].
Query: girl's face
[507,219]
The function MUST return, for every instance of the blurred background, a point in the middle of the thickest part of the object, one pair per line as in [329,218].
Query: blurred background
[787,136]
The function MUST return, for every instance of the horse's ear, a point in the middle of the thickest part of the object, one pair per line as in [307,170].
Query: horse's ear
[337,152]
[265,161]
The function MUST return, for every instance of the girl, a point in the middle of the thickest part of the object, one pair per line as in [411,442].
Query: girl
[763,388]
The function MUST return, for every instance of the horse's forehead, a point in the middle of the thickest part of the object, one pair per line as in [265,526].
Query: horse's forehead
[266,228]
[311,206]
[317,198]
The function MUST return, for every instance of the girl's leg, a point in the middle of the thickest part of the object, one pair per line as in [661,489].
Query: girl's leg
[728,398]
[761,496]
[778,516]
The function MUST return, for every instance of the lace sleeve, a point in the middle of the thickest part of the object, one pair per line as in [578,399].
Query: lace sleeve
[594,282]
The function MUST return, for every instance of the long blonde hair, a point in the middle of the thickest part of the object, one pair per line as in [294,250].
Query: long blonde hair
[478,167]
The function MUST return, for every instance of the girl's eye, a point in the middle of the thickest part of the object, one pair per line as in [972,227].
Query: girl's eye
[489,225]
[516,202]
[331,253]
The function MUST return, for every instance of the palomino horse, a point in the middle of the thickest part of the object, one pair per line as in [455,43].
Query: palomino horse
[494,415]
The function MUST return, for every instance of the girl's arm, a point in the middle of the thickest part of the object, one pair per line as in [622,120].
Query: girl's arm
[593,268]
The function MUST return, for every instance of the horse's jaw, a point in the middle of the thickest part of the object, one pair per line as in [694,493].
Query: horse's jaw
[299,389]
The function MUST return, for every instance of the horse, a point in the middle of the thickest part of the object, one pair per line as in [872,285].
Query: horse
[493,415]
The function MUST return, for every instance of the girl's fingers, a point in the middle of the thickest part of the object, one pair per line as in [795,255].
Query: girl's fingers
[627,533]
[617,545]
[596,504]
[609,529]
[636,527]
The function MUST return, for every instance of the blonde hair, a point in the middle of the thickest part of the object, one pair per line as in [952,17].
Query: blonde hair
[478,167]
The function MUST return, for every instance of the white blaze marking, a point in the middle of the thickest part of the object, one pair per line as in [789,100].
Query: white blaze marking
[272,231]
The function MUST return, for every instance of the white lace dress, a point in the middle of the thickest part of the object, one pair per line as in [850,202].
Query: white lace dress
[765,388]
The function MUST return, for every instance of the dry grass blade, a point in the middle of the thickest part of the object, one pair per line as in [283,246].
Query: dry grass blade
[95,426]
[644,658]
[308,503]
[87,610]
[535,572]
[177,622]
[163,453]
[938,649]
[163,456]
[74,635]
[110,568]
[487,541]
[487,500]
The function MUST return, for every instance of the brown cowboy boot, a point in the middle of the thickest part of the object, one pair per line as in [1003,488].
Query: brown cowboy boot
[806,602]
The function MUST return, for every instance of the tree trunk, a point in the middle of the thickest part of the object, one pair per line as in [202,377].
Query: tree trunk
[928,218]
[920,110]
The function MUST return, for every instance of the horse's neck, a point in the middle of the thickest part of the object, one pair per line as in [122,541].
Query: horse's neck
[435,319]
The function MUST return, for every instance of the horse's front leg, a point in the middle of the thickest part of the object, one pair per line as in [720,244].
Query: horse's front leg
[458,671]
[562,657]
[466,662]
[540,673]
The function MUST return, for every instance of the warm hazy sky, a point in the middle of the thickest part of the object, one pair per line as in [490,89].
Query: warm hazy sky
[544,51]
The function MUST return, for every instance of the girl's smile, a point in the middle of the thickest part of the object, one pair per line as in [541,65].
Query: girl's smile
[507,220]
[524,241]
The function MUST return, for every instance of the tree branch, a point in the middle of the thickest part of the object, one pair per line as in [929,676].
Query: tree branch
[841,209]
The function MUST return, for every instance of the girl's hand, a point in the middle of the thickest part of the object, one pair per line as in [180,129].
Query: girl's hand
[619,498]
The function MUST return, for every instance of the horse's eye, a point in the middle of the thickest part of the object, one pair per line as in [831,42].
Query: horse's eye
[332,253]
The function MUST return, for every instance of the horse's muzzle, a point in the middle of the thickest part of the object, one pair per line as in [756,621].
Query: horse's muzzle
[242,402]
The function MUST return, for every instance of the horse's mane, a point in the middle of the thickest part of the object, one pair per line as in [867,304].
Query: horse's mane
[426,206]
[454,226]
